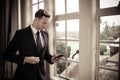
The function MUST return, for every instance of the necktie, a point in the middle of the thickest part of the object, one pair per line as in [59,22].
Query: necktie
[38,42]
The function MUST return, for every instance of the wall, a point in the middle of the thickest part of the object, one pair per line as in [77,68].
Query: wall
[87,40]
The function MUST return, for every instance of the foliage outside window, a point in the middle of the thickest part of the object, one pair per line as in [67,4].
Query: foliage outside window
[67,43]
[109,34]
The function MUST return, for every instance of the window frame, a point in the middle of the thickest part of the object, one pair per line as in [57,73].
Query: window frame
[37,3]
[60,17]
[111,11]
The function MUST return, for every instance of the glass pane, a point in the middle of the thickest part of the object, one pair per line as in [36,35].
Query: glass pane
[71,72]
[41,5]
[34,1]
[104,49]
[108,3]
[73,50]
[60,47]
[59,7]
[61,66]
[60,29]
[109,52]
[110,27]
[73,29]
[72,7]
[35,8]
[108,61]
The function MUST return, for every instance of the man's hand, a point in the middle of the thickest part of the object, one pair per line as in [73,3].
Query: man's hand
[56,58]
[32,60]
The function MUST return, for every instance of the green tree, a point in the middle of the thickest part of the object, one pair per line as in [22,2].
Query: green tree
[110,31]
[103,49]
[115,30]
[61,48]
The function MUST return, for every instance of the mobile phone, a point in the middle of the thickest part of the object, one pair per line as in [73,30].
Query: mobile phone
[59,56]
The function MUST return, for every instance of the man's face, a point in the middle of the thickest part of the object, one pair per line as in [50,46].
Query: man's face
[42,23]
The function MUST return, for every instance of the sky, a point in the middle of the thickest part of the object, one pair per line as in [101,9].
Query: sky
[110,19]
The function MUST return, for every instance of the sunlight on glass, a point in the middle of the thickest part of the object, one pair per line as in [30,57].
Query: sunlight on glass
[72,6]
[108,3]
[41,5]
[59,7]
[73,29]
[34,1]
[34,8]
[60,29]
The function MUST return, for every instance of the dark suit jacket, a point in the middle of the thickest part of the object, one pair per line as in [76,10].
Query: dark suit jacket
[23,41]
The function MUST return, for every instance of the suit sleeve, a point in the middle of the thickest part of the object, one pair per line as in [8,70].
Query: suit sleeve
[48,56]
[10,51]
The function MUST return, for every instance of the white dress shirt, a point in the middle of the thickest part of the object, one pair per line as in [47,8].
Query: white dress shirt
[34,31]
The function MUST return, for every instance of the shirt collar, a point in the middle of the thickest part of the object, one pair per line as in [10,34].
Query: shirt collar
[34,29]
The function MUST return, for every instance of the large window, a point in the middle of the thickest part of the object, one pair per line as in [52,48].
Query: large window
[67,6]
[67,38]
[109,40]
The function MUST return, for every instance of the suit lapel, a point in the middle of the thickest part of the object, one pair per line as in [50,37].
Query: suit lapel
[45,38]
[32,41]
[30,34]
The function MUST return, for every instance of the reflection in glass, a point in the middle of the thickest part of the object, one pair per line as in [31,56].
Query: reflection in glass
[109,27]
[41,5]
[73,46]
[59,7]
[73,29]
[74,7]
[60,29]
[108,3]
[71,71]
[35,8]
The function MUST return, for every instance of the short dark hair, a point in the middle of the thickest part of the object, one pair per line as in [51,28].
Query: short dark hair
[41,13]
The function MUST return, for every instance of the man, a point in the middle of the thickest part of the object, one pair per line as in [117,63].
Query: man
[32,44]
